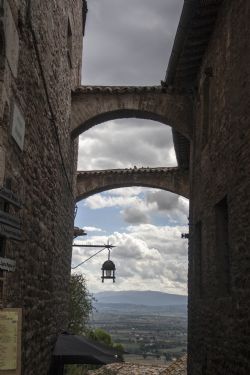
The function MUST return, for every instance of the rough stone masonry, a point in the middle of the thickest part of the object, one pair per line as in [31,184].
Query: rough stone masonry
[219,262]
[40,63]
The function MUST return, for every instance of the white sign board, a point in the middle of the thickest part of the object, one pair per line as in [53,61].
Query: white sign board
[10,341]
[18,126]
[7,264]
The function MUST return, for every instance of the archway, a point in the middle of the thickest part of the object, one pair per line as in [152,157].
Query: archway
[174,180]
[140,247]
[106,103]
[94,105]
[150,255]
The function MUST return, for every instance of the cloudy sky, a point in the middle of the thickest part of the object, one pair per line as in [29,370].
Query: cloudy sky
[129,43]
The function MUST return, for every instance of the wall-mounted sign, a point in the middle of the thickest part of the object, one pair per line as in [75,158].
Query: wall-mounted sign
[18,126]
[10,233]
[10,226]
[9,219]
[9,196]
[8,265]
[10,341]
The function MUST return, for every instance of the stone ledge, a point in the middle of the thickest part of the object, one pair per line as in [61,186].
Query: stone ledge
[128,171]
[126,90]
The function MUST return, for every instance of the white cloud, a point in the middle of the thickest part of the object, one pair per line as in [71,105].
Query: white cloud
[125,143]
[102,201]
[141,208]
[127,192]
[172,206]
[93,229]
[129,42]
[135,215]
[146,257]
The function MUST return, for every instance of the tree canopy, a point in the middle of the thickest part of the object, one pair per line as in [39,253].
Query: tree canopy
[101,336]
[80,304]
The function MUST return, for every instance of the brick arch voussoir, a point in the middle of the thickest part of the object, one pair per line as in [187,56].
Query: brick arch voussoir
[84,192]
[94,105]
[119,114]
[101,189]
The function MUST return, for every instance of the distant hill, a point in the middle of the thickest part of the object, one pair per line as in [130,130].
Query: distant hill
[146,298]
[104,309]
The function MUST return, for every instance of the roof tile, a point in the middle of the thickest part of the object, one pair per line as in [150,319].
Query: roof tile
[178,367]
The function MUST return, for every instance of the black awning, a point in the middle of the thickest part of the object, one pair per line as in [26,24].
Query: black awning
[74,349]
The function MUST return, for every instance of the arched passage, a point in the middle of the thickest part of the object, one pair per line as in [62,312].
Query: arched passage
[174,180]
[93,105]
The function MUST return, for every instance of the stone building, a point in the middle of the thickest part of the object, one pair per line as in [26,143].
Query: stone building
[208,82]
[40,64]
[210,61]
[208,77]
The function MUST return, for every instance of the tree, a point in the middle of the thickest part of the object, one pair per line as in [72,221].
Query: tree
[101,336]
[80,304]
[119,347]
[104,337]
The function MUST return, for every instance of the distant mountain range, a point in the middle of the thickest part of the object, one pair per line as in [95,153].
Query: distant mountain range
[146,298]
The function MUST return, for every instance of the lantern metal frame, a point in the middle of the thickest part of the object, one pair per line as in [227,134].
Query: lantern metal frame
[108,269]
[103,247]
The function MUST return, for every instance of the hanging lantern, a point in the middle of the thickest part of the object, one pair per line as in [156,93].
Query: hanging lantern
[108,269]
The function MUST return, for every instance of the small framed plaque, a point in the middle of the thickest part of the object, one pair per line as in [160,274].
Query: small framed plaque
[7,264]
[10,341]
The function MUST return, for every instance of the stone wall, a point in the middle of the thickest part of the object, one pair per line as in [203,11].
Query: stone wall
[219,263]
[41,46]
[173,179]
[177,367]
[93,105]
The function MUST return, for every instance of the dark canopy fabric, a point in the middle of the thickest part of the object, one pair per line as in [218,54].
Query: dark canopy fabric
[74,349]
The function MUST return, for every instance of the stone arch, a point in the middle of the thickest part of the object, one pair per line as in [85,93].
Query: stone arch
[94,105]
[174,180]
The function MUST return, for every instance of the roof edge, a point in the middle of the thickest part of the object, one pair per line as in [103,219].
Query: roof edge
[188,11]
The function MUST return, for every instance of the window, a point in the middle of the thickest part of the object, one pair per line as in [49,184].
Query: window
[198,259]
[206,106]
[222,251]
